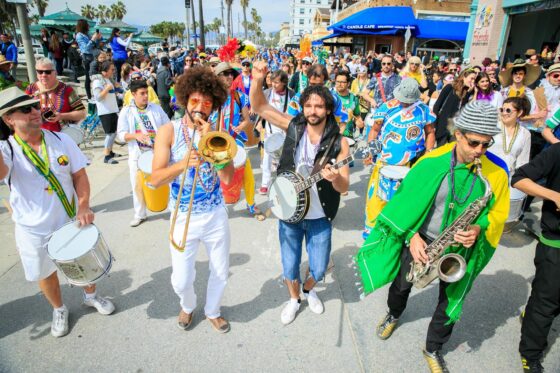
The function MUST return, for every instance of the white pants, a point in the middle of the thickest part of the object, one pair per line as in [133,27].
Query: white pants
[37,265]
[266,169]
[137,200]
[211,229]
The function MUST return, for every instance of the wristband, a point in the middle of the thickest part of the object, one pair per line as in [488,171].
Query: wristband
[219,167]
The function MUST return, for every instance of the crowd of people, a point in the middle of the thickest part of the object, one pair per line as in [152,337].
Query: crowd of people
[451,138]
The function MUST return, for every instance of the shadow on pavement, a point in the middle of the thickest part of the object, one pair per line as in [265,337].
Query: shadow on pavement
[124,203]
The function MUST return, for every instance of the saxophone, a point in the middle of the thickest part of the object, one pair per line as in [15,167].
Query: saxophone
[450,267]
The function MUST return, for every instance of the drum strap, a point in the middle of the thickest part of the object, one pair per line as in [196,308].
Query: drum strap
[381,88]
[324,159]
[42,166]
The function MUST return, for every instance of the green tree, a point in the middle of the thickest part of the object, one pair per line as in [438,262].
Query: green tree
[118,10]
[245,5]
[229,22]
[103,13]
[201,21]
[89,12]
[41,6]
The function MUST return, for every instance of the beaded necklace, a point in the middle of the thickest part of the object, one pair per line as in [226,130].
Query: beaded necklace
[452,171]
[507,147]
[212,174]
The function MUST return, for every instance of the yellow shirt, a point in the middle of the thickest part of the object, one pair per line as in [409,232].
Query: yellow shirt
[152,97]
[416,76]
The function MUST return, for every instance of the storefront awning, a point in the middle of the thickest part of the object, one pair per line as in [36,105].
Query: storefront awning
[374,20]
[447,30]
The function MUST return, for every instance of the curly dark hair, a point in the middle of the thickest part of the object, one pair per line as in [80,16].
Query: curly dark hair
[320,91]
[202,80]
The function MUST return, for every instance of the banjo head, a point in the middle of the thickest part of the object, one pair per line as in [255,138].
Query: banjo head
[283,196]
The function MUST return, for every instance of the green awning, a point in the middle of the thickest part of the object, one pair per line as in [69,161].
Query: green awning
[145,38]
[66,18]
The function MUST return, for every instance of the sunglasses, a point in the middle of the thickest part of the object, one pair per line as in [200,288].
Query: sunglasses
[213,64]
[476,143]
[507,110]
[386,63]
[414,63]
[452,70]
[227,73]
[26,109]
[46,72]
[246,64]
[306,63]
[189,60]
[555,76]
[206,104]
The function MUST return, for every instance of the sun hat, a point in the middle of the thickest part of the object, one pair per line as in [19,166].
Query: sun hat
[246,60]
[533,73]
[214,59]
[553,68]
[308,59]
[3,60]
[14,97]
[407,91]
[225,66]
[478,117]
[530,52]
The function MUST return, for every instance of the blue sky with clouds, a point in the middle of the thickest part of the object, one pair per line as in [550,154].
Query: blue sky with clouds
[148,12]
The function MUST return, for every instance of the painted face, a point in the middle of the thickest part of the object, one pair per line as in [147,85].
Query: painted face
[199,103]
[314,110]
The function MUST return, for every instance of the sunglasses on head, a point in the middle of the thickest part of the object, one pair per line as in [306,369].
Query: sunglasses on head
[507,110]
[46,72]
[194,101]
[476,143]
[26,109]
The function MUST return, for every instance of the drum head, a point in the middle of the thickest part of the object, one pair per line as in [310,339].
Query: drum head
[394,172]
[516,194]
[274,142]
[74,132]
[145,162]
[283,198]
[240,157]
[71,242]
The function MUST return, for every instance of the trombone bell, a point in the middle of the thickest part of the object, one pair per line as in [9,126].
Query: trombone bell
[217,147]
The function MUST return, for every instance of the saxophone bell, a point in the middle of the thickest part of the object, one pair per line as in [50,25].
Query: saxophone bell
[451,268]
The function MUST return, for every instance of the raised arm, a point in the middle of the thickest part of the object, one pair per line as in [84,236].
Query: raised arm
[260,105]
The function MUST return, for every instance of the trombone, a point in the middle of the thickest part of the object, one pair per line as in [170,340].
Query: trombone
[217,148]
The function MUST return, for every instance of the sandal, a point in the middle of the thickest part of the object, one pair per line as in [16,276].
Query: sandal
[184,321]
[219,324]
[256,212]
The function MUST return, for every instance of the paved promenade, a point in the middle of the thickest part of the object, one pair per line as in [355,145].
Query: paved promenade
[142,337]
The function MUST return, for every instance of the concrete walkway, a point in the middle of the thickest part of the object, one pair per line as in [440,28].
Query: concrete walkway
[142,337]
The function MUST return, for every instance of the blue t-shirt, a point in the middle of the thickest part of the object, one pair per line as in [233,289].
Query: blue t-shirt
[241,137]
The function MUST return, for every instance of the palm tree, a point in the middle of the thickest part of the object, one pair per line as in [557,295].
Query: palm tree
[118,10]
[229,30]
[194,23]
[103,12]
[41,6]
[201,22]
[88,11]
[245,5]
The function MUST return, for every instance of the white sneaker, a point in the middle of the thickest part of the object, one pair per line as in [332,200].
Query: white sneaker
[289,311]
[102,305]
[314,302]
[136,222]
[59,326]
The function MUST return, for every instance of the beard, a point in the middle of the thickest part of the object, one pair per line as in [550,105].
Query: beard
[315,120]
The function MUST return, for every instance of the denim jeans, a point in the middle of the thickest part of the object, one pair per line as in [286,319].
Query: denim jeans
[317,233]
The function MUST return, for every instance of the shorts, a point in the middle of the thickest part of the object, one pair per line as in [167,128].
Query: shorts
[109,122]
[37,265]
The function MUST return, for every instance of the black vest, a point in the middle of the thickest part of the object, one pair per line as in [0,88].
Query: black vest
[328,196]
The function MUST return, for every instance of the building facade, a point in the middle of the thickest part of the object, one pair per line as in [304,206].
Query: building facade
[302,13]
[505,29]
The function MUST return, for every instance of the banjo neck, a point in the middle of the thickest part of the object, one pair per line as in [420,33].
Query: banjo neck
[316,177]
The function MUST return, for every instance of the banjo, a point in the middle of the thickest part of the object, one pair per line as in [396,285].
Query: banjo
[288,195]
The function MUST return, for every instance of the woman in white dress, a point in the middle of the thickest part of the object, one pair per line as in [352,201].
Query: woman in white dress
[513,145]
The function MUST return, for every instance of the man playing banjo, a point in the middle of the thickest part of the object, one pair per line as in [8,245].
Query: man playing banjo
[313,138]
[47,177]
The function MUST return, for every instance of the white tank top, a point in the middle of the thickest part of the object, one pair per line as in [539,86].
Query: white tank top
[305,158]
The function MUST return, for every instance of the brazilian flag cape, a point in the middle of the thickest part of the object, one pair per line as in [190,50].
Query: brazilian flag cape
[379,258]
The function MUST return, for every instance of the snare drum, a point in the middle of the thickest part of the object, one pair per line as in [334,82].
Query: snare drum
[80,253]
[516,199]
[232,191]
[156,198]
[273,144]
[390,178]
[74,132]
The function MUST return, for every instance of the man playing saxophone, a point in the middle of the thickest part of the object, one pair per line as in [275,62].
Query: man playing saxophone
[199,213]
[444,198]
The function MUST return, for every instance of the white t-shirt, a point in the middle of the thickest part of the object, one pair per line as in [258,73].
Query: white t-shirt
[278,102]
[107,104]
[35,208]
[305,156]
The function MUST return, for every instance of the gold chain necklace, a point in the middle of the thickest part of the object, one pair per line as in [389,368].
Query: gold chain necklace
[507,147]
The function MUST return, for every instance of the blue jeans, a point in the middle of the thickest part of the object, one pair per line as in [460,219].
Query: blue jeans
[317,233]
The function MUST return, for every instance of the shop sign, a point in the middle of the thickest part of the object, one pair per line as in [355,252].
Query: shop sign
[483,23]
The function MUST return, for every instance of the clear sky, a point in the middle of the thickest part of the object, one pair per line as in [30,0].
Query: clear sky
[148,12]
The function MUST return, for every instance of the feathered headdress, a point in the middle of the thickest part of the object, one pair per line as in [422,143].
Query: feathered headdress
[233,47]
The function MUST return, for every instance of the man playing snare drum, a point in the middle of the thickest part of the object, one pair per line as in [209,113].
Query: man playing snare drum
[404,127]
[48,187]
[138,125]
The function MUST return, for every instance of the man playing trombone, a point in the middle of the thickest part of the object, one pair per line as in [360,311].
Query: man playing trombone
[199,213]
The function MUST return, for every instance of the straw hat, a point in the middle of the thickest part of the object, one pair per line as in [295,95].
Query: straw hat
[553,69]
[225,66]
[12,98]
[3,60]
[533,73]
